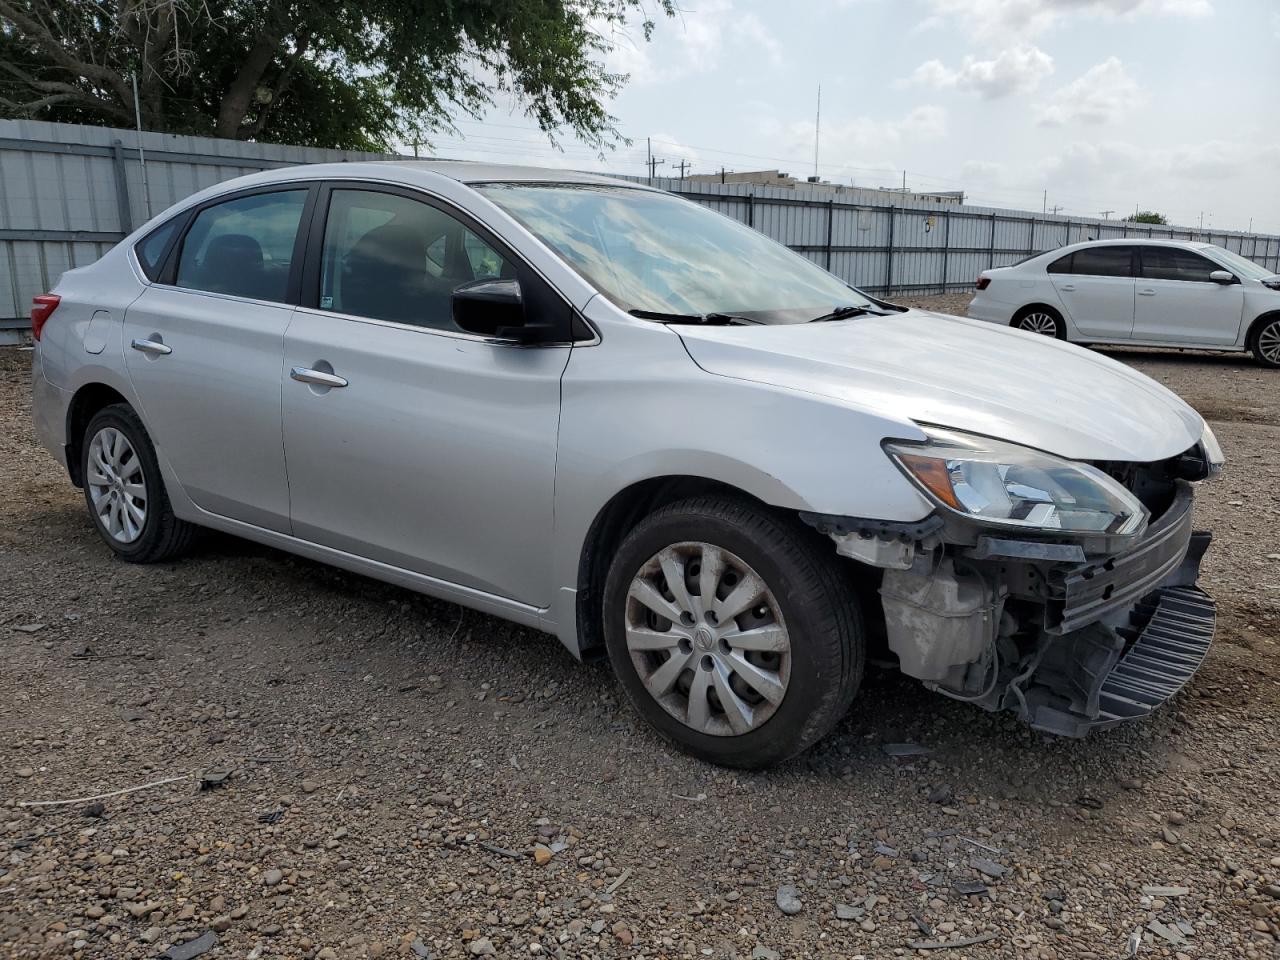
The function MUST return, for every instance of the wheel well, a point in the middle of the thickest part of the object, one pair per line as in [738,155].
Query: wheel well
[615,520]
[1256,327]
[1023,311]
[88,400]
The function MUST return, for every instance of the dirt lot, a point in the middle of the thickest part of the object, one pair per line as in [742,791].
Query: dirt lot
[409,780]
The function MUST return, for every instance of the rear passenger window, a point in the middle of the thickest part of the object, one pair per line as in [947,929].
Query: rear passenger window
[1061,265]
[152,247]
[1170,263]
[243,247]
[1103,262]
[388,257]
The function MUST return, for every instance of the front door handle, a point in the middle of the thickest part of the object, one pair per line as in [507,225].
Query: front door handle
[1068,287]
[1146,293]
[318,377]
[152,346]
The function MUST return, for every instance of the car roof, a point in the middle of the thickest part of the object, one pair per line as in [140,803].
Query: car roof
[409,170]
[1156,241]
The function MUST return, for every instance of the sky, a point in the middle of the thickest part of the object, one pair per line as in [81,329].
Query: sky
[1166,105]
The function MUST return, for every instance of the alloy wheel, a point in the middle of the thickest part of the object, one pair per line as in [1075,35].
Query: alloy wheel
[117,485]
[707,639]
[1039,322]
[1269,342]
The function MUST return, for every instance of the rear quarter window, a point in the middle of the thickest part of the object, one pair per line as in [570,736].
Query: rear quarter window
[152,248]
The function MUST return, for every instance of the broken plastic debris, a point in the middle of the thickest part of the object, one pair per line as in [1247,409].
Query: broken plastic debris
[1173,935]
[1166,891]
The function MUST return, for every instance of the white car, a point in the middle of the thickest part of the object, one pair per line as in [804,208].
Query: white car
[1170,293]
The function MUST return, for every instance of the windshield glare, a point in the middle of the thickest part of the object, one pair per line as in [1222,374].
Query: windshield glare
[1246,268]
[656,252]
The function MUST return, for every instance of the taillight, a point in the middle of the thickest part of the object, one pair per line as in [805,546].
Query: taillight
[983,283]
[42,308]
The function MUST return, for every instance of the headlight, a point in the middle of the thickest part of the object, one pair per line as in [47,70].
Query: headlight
[1213,457]
[1004,484]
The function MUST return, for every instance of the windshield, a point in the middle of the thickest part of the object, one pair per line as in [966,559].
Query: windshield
[1246,268]
[657,253]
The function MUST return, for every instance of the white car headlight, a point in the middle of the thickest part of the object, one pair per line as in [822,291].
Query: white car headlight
[1212,451]
[1007,485]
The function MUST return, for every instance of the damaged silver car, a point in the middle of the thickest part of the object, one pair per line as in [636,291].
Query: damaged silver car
[616,416]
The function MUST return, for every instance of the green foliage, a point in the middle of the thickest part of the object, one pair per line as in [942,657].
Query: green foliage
[334,74]
[1147,216]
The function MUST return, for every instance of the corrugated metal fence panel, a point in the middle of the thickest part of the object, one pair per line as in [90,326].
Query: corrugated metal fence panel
[67,192]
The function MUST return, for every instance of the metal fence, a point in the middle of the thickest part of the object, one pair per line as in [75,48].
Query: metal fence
[69,192]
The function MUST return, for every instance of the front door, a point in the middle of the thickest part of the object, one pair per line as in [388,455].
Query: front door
[204,347]
[1178,303]
[1096,286]
[418,445]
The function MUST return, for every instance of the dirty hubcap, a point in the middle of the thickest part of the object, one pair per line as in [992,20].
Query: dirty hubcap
[707,639]
[1269,342]
[117,486]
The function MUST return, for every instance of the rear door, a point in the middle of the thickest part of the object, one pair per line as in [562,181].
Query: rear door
[1178,303]
[1096,286]
[204,348]
[420,445]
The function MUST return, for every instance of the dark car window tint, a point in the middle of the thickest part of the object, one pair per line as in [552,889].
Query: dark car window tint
[1170,263]
[1103,262]
[243,247]
[152,247]
[1061,265]
[391,258]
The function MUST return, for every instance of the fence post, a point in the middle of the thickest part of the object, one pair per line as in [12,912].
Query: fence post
[991,247]
[1067,239]
[122,187]
[1031,240]
[946,246]
[831,212]
[751,209]
[888,253]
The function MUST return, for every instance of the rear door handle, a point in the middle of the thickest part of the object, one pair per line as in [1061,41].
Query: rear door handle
[318,377]
[1146,293]
[152,346]
[1068,287]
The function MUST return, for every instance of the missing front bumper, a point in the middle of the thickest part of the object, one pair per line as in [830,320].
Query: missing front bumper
[1070,696]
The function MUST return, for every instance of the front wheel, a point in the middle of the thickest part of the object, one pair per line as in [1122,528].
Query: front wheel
[732,630]
[1266,342]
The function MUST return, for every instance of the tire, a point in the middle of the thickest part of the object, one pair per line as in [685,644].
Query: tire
[117,469]
[1264,341]
[1040,319]
[806,594]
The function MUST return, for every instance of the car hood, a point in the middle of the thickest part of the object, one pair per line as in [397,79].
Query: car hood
[949,371]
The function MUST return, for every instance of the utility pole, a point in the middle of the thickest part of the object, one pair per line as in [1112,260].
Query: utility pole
[142,159]
[1106,214]
[1045,206]
[904,181]
[683,165]
[817,133]
[1056,208]
[653,161]
[722,174]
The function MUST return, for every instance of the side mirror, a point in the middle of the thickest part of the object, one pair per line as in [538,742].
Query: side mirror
[490,308]
[1222,276]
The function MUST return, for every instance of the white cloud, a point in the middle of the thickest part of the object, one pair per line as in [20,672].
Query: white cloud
[1104,93]
[1030,17]
[1015,70]
[695,42]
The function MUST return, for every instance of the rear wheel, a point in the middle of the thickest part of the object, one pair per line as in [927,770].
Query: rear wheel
[1265,342]
[125,492]
[733,632]
[1040,319]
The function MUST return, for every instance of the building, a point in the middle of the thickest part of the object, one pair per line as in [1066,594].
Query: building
[815,186]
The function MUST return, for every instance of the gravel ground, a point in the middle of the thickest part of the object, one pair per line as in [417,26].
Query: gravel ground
[408,780]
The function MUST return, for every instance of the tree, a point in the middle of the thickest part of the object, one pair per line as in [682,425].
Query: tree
[1147,216]
[350,74]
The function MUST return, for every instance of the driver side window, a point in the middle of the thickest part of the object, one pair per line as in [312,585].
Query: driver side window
[388,257]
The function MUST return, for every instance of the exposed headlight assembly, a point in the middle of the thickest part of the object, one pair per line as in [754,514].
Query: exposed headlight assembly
[1006,485]
[1212,452]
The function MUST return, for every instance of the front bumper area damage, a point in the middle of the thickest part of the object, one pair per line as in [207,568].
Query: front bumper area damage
[1072,637]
